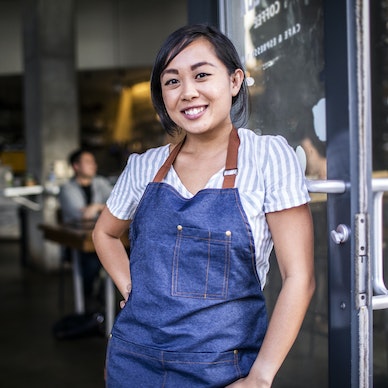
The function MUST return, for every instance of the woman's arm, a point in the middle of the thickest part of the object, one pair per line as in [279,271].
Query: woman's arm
[111,251]
[292,233]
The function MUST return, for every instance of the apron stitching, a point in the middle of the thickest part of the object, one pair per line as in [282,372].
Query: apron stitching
[175,268]
[164,368]
[250,237]
[174,283]
[237,365]
[207,267]
[228,248]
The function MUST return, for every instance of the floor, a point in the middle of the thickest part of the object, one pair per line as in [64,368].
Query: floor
[31,356]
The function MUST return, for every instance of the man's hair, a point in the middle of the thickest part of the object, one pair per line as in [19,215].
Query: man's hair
[76,155]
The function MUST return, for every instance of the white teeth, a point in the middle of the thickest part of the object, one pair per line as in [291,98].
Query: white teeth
[194,111]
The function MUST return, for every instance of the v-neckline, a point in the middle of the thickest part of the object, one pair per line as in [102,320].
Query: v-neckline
[229,172]
[206,186]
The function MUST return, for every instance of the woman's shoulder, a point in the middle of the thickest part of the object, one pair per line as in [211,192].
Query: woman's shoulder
[262,147]
[149,154]
[250,136]
[129,188]
[148,160]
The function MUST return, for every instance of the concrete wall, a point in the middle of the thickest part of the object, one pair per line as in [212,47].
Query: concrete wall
[11,37]
[109,33]
[124,33]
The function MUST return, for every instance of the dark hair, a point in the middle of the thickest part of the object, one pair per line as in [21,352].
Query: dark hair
[226,53]
[76,155]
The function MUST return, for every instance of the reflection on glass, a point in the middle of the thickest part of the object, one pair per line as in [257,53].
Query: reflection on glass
[281,44]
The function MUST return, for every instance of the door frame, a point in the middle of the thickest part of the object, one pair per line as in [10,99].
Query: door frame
[348,119]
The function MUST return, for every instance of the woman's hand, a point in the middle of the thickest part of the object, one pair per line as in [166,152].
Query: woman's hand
[249,382]
[111,251]
[126,295]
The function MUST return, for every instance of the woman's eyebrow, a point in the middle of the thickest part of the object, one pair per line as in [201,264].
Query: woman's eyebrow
[199,64]
[192,67]
[169,71]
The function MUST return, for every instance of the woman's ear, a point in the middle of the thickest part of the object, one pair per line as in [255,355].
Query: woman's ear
[237,79]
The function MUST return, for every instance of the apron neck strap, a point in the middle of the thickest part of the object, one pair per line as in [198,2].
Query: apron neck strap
[168,163]
[230,171]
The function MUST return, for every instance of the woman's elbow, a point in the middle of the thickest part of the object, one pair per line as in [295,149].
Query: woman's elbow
[309,285]
[97,233]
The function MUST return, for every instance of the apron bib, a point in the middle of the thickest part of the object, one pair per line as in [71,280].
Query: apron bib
[196,315]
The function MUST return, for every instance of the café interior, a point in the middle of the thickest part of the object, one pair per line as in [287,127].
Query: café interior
[39,282]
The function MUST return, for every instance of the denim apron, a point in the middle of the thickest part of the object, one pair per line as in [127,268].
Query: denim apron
[196,316]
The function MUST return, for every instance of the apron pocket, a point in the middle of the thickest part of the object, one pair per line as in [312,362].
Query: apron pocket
[130,364]
[201,263]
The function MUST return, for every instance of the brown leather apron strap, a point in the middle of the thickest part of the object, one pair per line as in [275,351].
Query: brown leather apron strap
[168,163]
[230,171]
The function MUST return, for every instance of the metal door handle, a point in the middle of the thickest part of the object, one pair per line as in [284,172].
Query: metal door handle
[326,186]
[380,299]
[341,234]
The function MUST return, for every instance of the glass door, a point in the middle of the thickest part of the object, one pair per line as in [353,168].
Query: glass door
[308,64]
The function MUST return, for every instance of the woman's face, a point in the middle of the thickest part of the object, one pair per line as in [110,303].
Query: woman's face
[197,89]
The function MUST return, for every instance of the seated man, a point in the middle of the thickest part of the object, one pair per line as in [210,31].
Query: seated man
[81,199]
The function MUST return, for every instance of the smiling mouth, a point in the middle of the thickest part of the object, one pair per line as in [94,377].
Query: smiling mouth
[194,111]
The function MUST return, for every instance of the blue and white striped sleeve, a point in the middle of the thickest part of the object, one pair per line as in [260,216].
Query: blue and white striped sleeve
[285,185]
[130,186]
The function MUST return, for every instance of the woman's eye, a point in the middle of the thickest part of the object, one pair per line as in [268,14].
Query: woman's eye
[171,82]
[202,75]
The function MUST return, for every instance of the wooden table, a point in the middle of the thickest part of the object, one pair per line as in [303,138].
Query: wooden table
[78,237]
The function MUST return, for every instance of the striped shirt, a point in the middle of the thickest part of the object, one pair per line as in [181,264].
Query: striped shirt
[269,179]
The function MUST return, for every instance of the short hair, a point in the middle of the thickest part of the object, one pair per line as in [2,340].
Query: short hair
[225,52]
[76,155]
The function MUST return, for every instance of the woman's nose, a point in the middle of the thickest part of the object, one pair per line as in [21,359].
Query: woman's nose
[189,91]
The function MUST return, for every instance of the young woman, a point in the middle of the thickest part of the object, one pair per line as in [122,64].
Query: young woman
[204,216]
